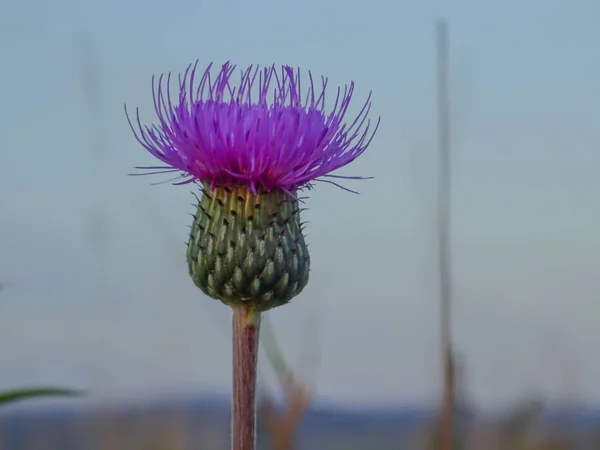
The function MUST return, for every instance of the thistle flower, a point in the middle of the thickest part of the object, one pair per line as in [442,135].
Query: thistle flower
[252,148]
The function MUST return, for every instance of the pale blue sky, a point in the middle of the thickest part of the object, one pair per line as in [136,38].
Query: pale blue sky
[123,317]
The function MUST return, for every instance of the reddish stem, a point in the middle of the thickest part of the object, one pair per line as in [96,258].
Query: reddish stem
[246,327]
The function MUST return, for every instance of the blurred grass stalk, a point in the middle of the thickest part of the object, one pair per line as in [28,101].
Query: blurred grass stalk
[282,426]
[274,354]
[447,421]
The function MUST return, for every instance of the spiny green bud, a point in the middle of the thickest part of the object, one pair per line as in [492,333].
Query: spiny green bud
[248,249]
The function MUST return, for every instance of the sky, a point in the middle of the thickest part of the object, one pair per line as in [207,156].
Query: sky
[97,292]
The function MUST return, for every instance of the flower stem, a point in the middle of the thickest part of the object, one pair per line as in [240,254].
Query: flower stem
[246,327]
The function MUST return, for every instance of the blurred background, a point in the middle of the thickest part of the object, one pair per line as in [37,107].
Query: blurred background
[95,292]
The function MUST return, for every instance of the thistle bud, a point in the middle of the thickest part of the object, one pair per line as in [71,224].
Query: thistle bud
[248,248]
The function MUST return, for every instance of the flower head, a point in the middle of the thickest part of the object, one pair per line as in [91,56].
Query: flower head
[251,147]
[264,132]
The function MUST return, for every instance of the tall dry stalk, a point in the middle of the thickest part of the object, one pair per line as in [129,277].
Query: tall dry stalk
[444,260]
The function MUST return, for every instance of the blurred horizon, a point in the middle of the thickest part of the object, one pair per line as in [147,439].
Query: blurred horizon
[97,294]
[182,422]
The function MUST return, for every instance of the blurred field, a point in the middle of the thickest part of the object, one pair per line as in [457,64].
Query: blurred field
[204,424]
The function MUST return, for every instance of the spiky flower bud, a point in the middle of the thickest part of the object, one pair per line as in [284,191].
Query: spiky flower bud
[251,153]
[248,249]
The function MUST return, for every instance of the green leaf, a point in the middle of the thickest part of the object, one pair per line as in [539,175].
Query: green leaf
[16,395]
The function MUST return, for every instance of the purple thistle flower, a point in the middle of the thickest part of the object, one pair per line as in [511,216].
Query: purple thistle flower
[251,147]
[263,133]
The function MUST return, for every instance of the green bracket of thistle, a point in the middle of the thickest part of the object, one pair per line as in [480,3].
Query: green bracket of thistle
[248,249]
[15,395]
